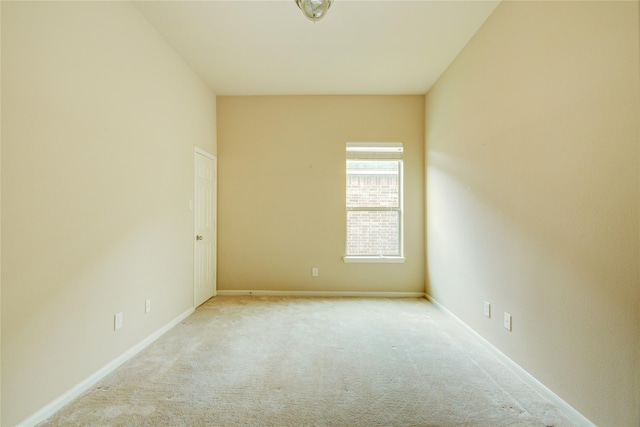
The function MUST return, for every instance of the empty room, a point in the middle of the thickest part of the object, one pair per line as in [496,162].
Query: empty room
[268,213]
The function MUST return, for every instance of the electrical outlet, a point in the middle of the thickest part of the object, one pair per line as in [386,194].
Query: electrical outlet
[487,309]
[147,306]
[117,321]
[314,272]
[507,321]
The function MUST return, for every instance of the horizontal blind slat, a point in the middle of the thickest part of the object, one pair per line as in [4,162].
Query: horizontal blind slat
[374,150]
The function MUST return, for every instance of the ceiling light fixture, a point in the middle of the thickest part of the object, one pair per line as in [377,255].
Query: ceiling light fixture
[314,9]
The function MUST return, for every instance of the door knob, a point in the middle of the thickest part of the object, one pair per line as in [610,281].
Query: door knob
[199,237]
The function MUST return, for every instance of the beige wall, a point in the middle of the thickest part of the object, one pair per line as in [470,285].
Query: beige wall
[533,194]
[282,191]
[0,220]
[100,118]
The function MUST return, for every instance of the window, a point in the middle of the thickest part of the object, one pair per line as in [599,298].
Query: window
[374,202]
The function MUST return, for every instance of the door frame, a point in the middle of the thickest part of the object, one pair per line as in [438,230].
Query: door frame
[196,152]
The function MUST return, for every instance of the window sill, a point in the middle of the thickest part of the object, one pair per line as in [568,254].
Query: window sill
[374,259]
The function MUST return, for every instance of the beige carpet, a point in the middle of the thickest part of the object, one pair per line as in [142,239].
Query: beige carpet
[269,361]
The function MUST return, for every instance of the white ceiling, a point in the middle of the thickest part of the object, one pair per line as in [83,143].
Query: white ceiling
[267,47]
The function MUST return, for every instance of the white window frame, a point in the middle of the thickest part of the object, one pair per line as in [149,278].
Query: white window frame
[378,151]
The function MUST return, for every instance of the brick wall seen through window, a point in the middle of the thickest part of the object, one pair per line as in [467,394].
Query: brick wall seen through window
[373,207]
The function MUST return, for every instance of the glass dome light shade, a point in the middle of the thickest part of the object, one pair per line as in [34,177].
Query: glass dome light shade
[315,10]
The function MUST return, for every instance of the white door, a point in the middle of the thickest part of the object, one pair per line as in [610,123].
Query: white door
[205,235]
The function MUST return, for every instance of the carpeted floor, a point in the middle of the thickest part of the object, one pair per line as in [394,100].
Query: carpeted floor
[272,361]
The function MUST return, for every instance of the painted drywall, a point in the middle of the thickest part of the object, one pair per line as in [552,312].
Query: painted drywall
[100,118]
[0,218]
[532,191]
[281,206]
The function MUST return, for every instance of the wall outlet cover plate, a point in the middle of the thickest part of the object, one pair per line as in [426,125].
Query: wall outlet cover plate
[507,321]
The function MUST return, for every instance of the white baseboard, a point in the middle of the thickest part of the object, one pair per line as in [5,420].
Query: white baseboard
[55,405]
[567,409]
[322,294]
